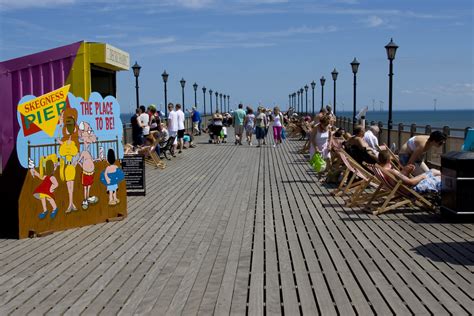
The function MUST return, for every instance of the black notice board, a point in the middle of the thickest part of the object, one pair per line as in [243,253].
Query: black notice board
[133,167]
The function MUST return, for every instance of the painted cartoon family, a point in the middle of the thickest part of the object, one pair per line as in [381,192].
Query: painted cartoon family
[74,147]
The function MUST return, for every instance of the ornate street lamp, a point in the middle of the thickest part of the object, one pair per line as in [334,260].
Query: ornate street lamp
[334,74]
[195,87]
[217,101]
[298,107]
[136,72]
[355,67]
[183,83]
[306,92]
[313,85]
[323,81]
[391,51]
[204,99]
[301,94]
[164,75]
[222,106]
[210,98]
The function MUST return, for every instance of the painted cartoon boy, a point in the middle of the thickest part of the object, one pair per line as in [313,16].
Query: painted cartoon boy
[86,134]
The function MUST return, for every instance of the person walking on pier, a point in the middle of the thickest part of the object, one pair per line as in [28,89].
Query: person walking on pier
[249,124]
[260,125]
[238,122]
[181,128]
[172,125]
[277,118]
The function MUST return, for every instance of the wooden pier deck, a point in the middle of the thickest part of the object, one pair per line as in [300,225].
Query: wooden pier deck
[228,229]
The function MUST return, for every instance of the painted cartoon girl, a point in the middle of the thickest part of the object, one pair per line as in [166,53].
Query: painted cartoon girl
[111,177]
[45,191]
[69,148]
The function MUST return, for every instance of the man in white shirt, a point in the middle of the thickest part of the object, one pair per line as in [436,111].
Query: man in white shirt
[172,125]
[144,121]
[180,116]
[371,138]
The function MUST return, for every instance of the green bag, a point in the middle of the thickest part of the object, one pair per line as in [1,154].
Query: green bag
[318,163]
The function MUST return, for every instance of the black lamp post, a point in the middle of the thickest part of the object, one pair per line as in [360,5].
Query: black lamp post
[136,72]
[301,94]
[210,98]
[204,99]
[228,103]
[222,106]
[323,81]
[334,74]
[306,92]
[298,107]
[289,101]
[183,83]
[294,102]
[217,101]
[313,85]
[195,87]
[355,67]
[164,75]
[391,51]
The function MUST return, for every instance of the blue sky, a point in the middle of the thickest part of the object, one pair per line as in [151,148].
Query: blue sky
[262,50]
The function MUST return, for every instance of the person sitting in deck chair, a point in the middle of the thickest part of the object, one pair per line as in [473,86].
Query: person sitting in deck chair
[161,135]
[428,182]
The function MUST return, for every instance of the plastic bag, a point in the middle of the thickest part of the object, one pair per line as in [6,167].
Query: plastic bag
[283,133]
[318,163]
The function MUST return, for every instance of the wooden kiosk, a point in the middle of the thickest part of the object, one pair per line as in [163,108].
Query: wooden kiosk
[61,140]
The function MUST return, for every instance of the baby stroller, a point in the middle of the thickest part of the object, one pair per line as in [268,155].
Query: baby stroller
[210,129]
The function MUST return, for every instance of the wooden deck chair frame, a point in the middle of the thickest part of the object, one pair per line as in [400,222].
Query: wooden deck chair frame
[151,157]
[398,194]
[358,182]
[360,196]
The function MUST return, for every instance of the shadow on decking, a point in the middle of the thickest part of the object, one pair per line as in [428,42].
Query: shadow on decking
[442,252]
[298,181]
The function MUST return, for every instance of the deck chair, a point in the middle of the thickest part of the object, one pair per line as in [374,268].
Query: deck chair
[397,195]
[362,180]
[151,157]
[167,147]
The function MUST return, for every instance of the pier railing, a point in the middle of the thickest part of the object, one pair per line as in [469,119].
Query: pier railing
[402,132]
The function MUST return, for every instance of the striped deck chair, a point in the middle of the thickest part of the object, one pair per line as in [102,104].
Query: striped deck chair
[359,180]
[398,194]
[360,195]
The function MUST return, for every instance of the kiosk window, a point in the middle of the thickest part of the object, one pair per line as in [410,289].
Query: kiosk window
[103,81]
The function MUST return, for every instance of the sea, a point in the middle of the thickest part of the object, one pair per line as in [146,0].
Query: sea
[455,119]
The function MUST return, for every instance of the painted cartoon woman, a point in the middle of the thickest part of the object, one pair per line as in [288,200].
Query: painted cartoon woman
[45,191]
[111,177]
[69,148]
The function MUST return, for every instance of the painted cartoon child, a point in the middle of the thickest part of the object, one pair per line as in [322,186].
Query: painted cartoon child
[87,163]
[69,148]
[45,191]
[111,177]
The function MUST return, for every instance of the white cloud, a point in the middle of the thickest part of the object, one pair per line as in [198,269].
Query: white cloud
[456,89]
[147,41]
[275,34]
[23,4]
[194,4]
[374,21]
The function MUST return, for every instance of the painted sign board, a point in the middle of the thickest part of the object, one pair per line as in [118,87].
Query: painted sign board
[71,149]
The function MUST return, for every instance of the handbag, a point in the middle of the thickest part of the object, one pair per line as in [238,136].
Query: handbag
[283,133]
[318,163]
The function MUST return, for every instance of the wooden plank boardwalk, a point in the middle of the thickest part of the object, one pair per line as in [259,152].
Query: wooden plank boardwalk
[231,229]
